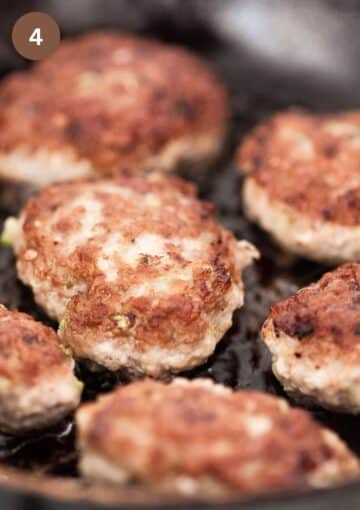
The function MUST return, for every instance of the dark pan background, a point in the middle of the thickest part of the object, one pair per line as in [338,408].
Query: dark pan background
[272,54]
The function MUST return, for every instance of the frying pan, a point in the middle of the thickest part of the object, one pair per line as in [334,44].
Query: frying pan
[272,54]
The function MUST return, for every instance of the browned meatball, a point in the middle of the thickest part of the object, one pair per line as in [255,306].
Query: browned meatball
[303,183]
[104,102]
[314,339]
[200,438]
[37,384]
[136,268]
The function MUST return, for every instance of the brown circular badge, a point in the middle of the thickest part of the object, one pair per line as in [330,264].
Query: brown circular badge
[35,35]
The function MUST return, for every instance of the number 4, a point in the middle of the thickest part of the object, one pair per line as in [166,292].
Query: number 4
[36,37]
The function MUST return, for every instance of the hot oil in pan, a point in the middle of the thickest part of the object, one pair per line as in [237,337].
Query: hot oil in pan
[240,360]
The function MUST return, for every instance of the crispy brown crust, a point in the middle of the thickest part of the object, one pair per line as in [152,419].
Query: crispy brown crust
[205,431]
[324,317]
[305,162]
[114,99]
[162,319]
[28,349]
[168,321]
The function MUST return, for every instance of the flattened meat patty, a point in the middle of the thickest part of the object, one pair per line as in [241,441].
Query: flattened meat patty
[314,338]
[200,438]
[136,269]
[37,384]
[303,183]
[105,102]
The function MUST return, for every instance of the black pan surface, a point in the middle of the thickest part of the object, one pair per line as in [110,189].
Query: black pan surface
[241,360]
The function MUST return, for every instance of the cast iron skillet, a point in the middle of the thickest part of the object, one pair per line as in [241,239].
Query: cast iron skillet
[248,45]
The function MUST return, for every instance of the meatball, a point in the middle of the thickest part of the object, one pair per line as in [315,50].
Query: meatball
[314,340]
[105,102]
[37,384]
[136,269]
[302,183]
[200,438]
